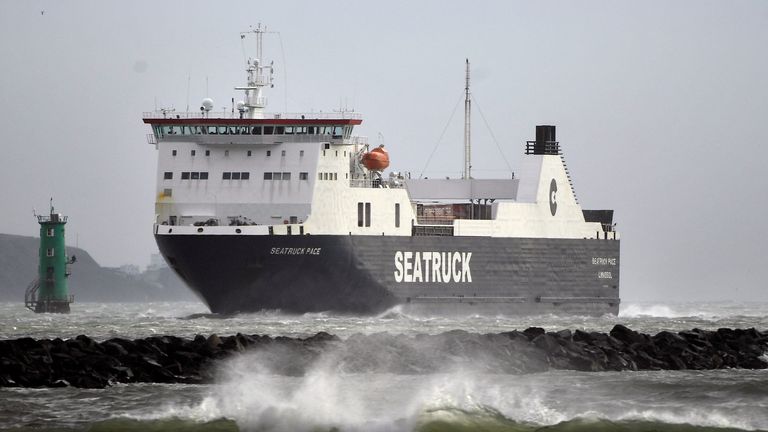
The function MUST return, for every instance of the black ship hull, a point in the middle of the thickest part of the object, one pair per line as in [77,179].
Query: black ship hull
[424,274]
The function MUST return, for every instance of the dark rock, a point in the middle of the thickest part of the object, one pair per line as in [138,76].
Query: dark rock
[83,362]
[533,332]
[627,335]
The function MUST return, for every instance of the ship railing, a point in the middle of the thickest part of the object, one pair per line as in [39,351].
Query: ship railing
[168,114]
[435,220]
[151,139]
[542,147]
[357,140]
[375,184]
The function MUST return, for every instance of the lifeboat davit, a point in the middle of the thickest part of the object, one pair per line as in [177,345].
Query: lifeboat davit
[376,159]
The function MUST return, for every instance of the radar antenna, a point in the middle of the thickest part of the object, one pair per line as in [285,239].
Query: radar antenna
[258,78]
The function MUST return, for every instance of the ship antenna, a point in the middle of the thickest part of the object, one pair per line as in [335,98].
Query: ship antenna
[255,102]
[467,143]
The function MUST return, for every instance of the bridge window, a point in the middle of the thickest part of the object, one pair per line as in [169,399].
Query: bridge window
[195,175]
[267,176]
[256,130]
[286,176]
[167,175]
[245,175]
[269,130]
[185,175]
[279,130]
[235,176]
[203,176]
[226,176]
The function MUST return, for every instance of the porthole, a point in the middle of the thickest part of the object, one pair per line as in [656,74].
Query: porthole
[200,230]
[238,230]
[170,230]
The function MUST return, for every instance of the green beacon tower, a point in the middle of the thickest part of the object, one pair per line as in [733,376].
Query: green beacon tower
[49,292]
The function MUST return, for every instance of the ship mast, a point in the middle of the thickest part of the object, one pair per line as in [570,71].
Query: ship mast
[254,103]
[467,143]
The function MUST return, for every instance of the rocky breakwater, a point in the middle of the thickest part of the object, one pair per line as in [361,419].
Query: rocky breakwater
[83,362]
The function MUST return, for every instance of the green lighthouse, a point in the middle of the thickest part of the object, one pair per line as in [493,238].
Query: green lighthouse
[49,293]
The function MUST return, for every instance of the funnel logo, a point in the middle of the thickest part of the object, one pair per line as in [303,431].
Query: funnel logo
[553,197]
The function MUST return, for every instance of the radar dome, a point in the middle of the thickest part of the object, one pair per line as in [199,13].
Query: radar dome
[207,104]
[240,105]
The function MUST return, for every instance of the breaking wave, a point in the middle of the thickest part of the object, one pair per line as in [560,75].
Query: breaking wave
[254,394]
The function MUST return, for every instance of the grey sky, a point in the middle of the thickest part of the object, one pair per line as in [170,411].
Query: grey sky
[660,107]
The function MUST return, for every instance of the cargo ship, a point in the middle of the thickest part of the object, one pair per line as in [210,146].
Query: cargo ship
[293,212]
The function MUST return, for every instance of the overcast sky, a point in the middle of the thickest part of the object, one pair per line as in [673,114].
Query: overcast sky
[661,109]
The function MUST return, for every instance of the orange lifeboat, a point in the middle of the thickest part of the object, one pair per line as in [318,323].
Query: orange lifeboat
[376,159]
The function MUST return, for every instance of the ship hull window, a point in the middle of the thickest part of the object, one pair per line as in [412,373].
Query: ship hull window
[235,176]
[267,176]
[226,176]
[168,175]
[245,175]
[397,215]
[303,176]
[367,214]
[185,175]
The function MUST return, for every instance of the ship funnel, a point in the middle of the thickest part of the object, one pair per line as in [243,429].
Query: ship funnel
[546,142]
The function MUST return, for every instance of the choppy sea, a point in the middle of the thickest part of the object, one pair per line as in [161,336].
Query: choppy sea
[248,396]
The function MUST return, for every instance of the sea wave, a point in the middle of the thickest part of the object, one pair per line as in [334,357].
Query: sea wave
[444,420]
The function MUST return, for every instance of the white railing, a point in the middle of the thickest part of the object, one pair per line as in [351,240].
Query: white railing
[168,114]
[151,139]
[357,140]
[376,184]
